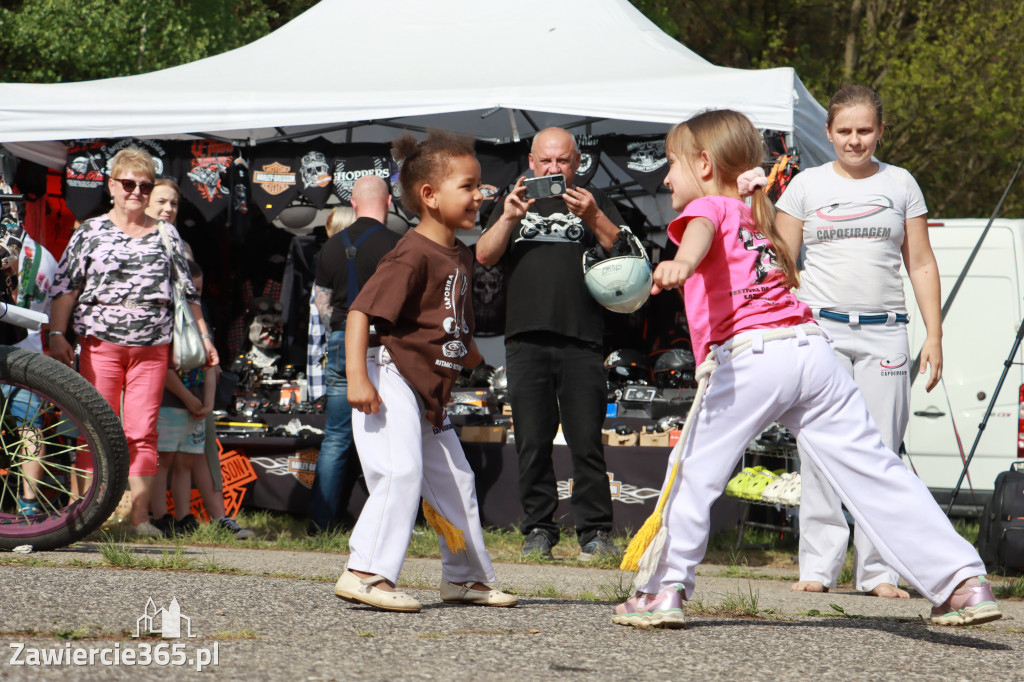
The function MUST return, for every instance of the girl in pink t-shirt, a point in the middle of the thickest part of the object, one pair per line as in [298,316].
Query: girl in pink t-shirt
[763,359]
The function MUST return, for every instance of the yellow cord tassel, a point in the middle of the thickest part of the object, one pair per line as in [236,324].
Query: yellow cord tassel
[644,549]
[643,538]
[452,536]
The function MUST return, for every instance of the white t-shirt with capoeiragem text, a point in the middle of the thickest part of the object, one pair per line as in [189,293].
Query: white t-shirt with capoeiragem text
[853,234]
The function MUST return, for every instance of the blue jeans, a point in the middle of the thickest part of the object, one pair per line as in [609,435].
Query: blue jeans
[337,466]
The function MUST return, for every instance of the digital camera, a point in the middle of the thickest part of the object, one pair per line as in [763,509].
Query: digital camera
[548,186]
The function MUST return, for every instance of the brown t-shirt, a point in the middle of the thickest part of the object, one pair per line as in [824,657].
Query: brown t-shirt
[420,301]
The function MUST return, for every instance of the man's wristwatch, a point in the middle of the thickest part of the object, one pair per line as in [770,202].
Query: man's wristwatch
[51,332]
[206,336]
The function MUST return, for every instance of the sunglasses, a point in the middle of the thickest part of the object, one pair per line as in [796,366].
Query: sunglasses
[130,185]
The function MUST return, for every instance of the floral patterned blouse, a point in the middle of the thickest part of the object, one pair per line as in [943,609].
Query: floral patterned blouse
[124,284]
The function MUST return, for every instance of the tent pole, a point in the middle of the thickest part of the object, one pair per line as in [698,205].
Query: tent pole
[315,132]
[626,194]
[515,126]
[217,138]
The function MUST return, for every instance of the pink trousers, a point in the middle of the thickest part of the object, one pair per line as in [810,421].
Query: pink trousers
[139,372]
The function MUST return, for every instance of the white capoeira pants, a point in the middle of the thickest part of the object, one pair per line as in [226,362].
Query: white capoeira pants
[403,458]
[877,356]
[797,382]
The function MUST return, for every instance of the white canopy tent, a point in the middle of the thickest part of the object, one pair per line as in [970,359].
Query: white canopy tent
[359,69]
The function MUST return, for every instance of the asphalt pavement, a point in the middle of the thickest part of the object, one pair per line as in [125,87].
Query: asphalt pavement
[272,615]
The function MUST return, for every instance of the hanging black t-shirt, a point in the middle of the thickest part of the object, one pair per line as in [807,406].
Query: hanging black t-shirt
[544,271]
[332,263]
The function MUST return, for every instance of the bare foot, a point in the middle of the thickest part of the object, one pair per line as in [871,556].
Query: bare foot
[889,592]
[809,586]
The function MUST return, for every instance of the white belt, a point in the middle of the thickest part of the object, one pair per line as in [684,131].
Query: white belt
[754,340]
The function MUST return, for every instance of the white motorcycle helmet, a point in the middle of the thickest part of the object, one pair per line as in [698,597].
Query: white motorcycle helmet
[621,282]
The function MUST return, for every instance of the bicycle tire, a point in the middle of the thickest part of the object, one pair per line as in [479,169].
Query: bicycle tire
[68,406]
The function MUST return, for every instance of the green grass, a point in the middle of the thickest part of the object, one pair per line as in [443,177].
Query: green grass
[846,575]
[546,591]
[237,633]
[618,590]
[117,553]
[282,531]
[838,611]
[732,605]
[73,635]
[120,555]
[1010,589]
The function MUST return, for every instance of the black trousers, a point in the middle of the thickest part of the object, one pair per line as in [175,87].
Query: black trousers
[554,378]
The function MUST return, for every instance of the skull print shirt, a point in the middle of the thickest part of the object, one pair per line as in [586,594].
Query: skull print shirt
[544,272]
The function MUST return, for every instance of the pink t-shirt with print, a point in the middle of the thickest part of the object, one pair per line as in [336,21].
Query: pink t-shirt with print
[738,285]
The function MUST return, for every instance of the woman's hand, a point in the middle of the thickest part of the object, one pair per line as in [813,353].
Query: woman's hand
[931,357]
[202,413]
[212,359]
[61,350]
[194,406]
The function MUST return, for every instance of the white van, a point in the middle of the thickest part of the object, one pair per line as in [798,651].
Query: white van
[979,331]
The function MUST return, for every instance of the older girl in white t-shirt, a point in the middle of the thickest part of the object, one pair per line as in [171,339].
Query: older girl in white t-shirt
[860,220]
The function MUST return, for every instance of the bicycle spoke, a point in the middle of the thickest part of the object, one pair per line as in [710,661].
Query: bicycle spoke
[51,423]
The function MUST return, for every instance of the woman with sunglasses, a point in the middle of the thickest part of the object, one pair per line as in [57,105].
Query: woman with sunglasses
[113,286]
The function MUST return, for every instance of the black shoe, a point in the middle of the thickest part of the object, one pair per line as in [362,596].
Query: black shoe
[538,543]
[232,525]
[599,546]
[184,526]
[164,524]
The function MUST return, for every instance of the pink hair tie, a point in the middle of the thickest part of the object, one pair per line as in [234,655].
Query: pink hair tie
[750,180]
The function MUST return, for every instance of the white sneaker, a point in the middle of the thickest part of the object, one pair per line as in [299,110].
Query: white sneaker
[356,590]
[147,530]
[465,594]
[771,492]
[790,495]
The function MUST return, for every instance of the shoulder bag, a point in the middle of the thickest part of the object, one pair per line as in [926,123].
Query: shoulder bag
[187,351]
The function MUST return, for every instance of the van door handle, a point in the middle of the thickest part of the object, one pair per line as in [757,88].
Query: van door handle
[930,414]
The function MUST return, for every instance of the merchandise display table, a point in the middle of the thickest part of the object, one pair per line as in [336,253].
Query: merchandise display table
[285,466]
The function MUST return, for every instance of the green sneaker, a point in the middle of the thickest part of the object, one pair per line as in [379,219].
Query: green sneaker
[760,482]
[735,485]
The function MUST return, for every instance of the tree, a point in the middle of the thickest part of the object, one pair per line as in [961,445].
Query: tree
[45,41]
[948,71]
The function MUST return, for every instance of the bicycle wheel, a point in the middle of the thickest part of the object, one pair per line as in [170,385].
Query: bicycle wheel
[51,420]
